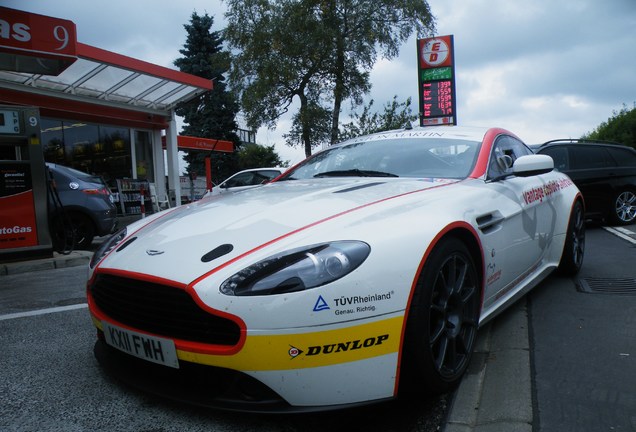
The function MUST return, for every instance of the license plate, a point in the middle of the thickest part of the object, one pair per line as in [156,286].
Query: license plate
[151,348]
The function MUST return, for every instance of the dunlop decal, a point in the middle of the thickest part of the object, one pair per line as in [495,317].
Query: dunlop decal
[305,350]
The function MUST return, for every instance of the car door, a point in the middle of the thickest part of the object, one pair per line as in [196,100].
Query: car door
[515,247]
[592,169]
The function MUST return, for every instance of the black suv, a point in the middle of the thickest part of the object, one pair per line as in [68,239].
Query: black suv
[604,172]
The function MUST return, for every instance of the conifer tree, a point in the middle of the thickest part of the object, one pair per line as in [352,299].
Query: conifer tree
[212,114]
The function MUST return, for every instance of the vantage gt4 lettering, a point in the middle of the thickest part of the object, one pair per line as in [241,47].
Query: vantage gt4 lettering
[346,269]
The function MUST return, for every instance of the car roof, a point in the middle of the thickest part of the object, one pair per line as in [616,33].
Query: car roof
[583,141]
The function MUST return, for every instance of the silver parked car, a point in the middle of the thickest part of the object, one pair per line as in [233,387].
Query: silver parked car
[85,208]
[246,179]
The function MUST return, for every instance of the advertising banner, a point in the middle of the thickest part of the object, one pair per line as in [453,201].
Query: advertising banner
[17,212]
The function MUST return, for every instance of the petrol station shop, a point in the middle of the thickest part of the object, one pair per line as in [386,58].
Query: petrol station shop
[100,112]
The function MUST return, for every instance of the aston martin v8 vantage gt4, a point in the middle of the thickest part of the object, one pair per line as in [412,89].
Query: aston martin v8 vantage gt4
[361,274]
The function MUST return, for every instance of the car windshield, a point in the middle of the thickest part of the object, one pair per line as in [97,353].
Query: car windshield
[402,157]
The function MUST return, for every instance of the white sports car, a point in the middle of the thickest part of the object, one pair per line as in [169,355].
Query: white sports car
[361,274]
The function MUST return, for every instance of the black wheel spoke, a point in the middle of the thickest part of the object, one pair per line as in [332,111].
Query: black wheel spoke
[450,362]
[441,354]
[461,277]
[437,332]
[469,293]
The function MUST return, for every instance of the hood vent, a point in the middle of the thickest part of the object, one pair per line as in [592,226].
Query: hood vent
[217,252]
[125,245]
[363,186]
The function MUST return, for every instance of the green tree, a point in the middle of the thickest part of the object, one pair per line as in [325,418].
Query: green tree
[277,62]
[309,125]
[314,53]
[258,156]
[362,29]
[212,114]
[621,127]
[396,115]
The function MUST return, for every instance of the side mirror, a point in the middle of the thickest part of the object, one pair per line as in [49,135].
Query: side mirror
[530,165]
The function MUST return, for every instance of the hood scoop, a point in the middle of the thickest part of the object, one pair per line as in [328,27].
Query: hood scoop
[219,251]
[362,186]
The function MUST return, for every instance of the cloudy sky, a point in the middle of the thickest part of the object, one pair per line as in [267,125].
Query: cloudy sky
[544,69]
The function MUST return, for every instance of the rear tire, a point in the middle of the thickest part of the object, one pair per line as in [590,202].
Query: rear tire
[442,322]
[624,208]
[574,248]
[83,230]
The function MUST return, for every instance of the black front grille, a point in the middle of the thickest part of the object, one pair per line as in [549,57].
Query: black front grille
[161,310]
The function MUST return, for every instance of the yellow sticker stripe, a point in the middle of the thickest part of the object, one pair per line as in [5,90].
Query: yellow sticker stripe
[307,350]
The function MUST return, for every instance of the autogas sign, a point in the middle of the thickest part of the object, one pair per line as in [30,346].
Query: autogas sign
[436,81]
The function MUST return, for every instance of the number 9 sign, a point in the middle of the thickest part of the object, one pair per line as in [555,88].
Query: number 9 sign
[60,33]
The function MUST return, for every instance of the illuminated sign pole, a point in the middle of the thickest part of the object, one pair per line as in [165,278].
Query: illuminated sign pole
[436,81]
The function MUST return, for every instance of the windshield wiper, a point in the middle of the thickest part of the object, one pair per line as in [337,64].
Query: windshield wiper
[355,173]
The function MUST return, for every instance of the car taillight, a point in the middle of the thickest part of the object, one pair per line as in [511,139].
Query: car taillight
[100,191]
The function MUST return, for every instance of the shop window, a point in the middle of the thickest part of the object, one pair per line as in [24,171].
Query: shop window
[52,138]
[117,161]
[92,148]
[79,141]
[143,156]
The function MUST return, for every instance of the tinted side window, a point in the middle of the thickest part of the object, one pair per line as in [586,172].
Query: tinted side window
[560,157]
[623,157]
[586,157]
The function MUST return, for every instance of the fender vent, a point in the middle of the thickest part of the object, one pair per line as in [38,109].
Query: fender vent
[619,286]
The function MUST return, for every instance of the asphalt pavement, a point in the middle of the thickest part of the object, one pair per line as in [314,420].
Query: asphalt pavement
[546,364]
[564,357]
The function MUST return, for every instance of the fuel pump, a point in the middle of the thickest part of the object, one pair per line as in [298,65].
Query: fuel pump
[24,230]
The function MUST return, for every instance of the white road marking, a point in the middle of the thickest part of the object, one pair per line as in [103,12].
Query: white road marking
[43,311]
[623,233]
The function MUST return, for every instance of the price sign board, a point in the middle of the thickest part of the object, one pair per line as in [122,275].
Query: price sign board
[436,81]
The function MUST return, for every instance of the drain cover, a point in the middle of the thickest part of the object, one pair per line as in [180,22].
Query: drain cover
[620,286]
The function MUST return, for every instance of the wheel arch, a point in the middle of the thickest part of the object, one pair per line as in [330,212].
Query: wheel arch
[465,233]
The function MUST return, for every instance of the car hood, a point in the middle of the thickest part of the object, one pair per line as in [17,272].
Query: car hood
[172,244]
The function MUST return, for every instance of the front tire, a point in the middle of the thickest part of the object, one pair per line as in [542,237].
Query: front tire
[442,323]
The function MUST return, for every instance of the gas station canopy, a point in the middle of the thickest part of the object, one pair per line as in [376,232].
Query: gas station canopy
[50,65]
[42,65]
[103,77]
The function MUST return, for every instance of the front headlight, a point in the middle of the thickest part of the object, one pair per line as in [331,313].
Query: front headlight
[107,246]
[298,269]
